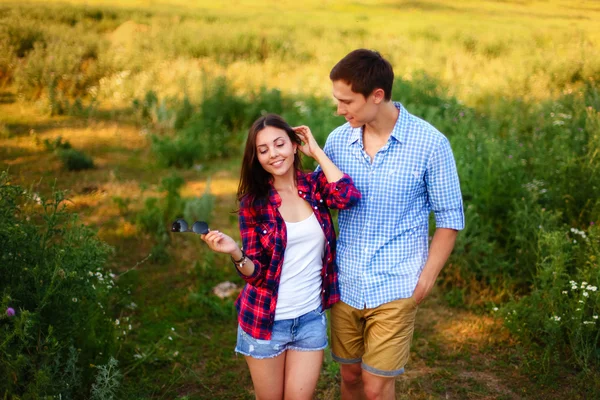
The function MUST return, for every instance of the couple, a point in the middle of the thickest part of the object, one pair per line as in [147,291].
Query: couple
[397,169]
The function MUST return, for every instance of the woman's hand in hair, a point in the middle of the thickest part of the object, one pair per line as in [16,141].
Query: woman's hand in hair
[309,146]
[220,242]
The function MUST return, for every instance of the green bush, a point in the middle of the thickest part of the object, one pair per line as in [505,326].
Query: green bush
[75,160]
[54,278]
[559,318]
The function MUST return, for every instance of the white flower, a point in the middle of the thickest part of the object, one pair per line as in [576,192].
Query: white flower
[592,288]
[117,322]
[175,354]
[585,294]
[564,292]
[74,299]
[173,329]
[555,318]
[129,326]
[170,338]
[595,317]
[495,308]
[589,322]
[573,287]
[137,356]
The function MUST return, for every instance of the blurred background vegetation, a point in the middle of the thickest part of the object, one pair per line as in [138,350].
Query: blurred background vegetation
[117,117]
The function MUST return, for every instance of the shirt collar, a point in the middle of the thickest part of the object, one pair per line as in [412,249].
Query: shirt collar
[301,183]
[397,132]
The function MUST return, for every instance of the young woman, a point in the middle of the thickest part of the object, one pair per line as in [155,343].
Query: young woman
[287,259]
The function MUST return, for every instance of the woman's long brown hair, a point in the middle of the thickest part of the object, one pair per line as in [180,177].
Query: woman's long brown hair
[254,180]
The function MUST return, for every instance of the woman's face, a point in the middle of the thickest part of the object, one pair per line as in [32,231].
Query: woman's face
[275,151]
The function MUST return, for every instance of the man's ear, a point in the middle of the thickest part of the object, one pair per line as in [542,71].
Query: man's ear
[378,95]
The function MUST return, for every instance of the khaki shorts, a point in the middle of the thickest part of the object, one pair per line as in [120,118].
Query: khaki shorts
[378,337]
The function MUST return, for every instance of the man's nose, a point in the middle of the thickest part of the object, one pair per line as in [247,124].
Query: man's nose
[341,110]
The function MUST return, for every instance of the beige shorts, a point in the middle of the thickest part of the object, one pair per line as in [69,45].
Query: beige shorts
[378,337]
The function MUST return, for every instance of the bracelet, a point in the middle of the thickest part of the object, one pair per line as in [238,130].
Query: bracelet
[240,263]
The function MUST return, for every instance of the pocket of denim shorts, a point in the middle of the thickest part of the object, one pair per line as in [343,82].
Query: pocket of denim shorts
[319,310]
[250,339]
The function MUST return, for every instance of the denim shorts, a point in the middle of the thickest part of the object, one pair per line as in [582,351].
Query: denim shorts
[307,332]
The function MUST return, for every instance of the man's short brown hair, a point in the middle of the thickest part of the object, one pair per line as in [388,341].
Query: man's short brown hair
[365,70]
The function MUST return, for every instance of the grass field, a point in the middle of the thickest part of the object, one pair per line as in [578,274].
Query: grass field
[514,84]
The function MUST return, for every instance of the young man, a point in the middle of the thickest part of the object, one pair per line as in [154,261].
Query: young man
[404,169]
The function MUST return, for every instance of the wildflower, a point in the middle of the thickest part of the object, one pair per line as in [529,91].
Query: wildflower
[74,299]
[170,338]
[137,356]
[564,292]
[555,318]
[117,322]
[10,312]
[589,322]
[129,326]
[595,317]
[592,288]
[585,294]
[173,329]
[495,308]
[175,354]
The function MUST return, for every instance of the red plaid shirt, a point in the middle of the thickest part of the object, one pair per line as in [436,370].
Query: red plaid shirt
[264,238]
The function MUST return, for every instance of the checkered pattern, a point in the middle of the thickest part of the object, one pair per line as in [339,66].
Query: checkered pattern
[264,239]
[383,242]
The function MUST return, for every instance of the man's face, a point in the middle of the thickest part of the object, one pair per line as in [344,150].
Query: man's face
[357,109]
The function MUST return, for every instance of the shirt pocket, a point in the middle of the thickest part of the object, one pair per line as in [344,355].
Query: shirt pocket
[266,235]
[403,187]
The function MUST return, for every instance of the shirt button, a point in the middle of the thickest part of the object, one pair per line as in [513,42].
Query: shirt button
[321,200]
[315,207]
[264,231]
[300,191]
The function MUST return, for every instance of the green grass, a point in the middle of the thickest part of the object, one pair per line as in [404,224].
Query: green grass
[510,67]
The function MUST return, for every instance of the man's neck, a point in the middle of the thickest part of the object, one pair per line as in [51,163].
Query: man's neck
[385,121]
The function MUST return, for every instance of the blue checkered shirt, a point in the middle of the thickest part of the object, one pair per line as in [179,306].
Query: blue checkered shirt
[383,242]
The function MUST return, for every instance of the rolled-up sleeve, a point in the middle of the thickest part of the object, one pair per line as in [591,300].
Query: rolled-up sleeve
[443,188]
[341,194]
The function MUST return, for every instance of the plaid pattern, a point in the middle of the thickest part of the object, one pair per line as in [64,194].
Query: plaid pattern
[383,241]
[264,238]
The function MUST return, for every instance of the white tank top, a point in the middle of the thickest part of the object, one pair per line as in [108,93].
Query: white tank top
[300,283]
